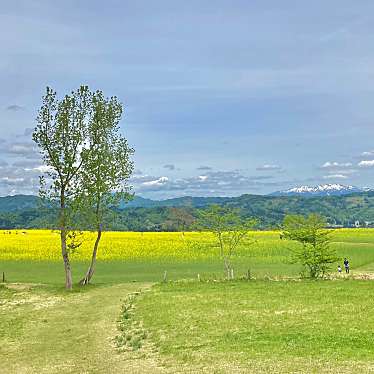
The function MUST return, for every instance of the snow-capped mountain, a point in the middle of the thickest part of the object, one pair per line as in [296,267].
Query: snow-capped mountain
[320,190]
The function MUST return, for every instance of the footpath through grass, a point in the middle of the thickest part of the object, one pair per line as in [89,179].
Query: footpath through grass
[44,329]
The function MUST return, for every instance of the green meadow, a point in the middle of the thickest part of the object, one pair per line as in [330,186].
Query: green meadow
[195,321]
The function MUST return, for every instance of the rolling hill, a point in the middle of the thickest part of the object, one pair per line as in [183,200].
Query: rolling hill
[154,215]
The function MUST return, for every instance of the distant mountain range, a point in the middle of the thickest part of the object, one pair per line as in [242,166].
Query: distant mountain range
[341,205]
[18,202]
[320,190]
[185,201]
[25,202]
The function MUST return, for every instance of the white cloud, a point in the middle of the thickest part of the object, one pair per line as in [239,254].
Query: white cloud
[335,176]
[268,167]
[334,165]
[368,153]
[366,163]
[157,182]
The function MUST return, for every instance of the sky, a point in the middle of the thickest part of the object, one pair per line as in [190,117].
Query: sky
[220,97]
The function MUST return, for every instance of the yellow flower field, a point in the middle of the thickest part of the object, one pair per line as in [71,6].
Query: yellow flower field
[44,245]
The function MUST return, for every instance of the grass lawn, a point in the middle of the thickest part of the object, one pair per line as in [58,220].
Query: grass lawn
[263,326]
[111,272]
[215,327]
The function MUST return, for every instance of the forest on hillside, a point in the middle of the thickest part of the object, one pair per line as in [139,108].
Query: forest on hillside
[180,213]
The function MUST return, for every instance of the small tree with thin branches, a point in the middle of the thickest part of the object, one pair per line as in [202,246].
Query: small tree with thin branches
[314,252]
[228,227]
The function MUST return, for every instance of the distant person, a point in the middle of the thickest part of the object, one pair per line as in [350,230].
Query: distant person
[346,265]
[339,269]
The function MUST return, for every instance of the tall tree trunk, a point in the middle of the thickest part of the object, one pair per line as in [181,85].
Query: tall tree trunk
[227,266]
[91,269]
[65,257]
[64,250]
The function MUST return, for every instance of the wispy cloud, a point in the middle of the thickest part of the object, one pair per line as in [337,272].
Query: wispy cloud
[367,154]
[335,176]
[269,167]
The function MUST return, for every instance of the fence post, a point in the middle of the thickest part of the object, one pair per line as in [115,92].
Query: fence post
[3,276]
[165,276]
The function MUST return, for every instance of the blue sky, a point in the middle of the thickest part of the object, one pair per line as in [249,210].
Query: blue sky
[221,97]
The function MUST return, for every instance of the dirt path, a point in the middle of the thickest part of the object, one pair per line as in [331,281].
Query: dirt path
[53,332]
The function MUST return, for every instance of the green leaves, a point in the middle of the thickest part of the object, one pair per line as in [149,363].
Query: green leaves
[107,165]
[314,254]
[87,158]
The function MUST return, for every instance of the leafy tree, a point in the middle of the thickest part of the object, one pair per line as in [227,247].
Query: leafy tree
[61,134]
[314,254]
[229,228]
[106,170]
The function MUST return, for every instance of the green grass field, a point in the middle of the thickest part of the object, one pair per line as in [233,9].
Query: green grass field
[261,326]
[273,323]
